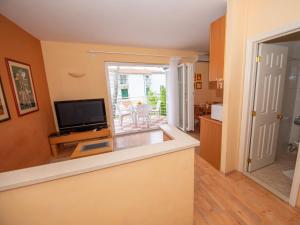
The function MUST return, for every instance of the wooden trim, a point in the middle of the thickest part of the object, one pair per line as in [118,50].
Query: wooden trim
[79,136]
[75,137]
[229,173]
[166,137]
[5,102]
[78,153]
[13,88]
[54,150]
[208,117]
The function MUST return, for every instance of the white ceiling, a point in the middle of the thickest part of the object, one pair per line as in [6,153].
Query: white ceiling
[144,23]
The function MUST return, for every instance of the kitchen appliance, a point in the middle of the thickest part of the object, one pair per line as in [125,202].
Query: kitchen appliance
[217,111]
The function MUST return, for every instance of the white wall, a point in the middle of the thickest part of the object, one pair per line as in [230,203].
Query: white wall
[287,131]
[295,129]
[136,86]
[156,81]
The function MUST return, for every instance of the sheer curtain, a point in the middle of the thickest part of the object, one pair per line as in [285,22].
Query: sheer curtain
[172,93]
[183,112]
[190,96]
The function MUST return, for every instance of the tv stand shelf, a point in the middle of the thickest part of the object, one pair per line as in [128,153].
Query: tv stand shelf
[55,140]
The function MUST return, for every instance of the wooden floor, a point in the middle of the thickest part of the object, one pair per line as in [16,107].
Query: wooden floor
[236,199]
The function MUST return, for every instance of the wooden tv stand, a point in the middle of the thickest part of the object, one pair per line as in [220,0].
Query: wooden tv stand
[55,140]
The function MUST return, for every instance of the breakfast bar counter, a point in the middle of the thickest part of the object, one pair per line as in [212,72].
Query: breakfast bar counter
[28,176]
[127,186]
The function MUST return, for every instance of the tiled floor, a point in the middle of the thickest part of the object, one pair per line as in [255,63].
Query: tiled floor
[273,176]
[128,126]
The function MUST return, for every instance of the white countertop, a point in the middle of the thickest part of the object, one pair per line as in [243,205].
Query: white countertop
[48,172]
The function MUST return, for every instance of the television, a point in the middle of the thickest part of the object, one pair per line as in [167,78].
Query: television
[80,115]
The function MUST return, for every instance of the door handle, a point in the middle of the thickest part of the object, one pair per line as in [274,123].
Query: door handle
[279,116]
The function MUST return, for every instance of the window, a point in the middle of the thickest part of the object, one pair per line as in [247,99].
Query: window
[124,93]
[137,84]
[123,79]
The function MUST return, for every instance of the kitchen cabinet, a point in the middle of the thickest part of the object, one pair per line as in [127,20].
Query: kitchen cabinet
[210,140]
[217,50]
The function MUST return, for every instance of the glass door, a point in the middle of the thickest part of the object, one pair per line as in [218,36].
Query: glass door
[181,97]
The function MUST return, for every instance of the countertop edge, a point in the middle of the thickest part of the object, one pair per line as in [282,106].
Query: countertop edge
[208,117]
[48,172]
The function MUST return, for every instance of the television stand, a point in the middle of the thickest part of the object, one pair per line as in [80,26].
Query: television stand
[55,140]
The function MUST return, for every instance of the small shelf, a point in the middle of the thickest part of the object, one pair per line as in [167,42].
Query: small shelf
[88,148]
[55,141]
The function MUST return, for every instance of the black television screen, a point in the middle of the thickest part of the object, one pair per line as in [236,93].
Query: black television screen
[76,115]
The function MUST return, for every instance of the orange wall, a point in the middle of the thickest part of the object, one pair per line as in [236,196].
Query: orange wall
[206,94]
[23,140]
[62,58]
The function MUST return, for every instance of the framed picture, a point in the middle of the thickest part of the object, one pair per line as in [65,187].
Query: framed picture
[22,85]
[198,85]
[4,113]
[199,77]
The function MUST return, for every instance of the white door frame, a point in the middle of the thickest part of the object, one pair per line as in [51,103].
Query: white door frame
[248,101]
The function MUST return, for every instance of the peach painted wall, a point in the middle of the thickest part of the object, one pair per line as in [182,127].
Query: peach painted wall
[154,191]
[246,19]
[61,58]
[24,140]
[205,94]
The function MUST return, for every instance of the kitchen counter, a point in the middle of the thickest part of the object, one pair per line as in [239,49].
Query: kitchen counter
[208,117]
[38,174]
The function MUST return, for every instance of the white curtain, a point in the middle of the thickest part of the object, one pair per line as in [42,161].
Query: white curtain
[190,96]
[172,91]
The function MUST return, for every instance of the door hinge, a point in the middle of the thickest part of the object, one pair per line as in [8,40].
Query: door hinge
[249,160]
[258,59]
[279,116]
[253,113]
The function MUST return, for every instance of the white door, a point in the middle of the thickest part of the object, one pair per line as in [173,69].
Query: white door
[271,70]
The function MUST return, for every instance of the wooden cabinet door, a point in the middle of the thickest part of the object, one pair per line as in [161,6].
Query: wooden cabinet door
[217,49]
[210,141]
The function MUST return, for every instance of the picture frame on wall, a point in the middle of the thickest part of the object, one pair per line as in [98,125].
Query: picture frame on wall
[23,87]
[199,77]
[4,112]
[198,85]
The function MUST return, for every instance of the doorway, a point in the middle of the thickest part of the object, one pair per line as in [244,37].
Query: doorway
[271,118]
[137,96]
